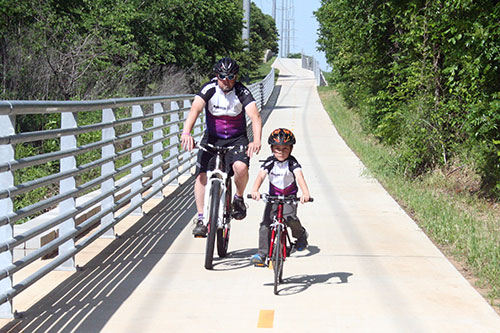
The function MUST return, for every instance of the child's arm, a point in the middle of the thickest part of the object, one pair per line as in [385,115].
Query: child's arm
[299,176]
[256,185]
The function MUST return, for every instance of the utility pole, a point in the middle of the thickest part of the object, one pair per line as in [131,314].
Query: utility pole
[287,26]
[287,29]
[290,25]
[246,27]
[274,10]
[282,33]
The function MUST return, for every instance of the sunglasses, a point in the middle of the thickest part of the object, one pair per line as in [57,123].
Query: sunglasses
[223,77]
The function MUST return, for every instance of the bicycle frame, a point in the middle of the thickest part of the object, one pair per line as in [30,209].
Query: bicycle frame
[279,225]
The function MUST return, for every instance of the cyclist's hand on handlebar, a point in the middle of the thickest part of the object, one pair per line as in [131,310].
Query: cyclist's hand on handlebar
[187,142]
[304,198]
[253,147]
[255,195]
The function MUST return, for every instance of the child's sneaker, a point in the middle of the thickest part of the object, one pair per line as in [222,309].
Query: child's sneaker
[301,243]
[257,260]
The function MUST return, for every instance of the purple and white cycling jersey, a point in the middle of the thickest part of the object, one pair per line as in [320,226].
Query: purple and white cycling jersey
[224,111]
[281,175]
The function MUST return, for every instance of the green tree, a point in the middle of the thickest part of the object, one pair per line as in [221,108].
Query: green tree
[101,48]
[423,74]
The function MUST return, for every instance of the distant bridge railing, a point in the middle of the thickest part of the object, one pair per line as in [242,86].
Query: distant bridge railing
[313,65]
[262,90]
[132,153]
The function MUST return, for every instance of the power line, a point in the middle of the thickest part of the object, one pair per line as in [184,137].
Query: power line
[287,27]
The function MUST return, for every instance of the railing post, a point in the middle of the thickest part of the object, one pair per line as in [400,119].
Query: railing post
[157,147]
[174,140]
[6,207]
[317,73]
[135,157]
[68,120]
[108,116]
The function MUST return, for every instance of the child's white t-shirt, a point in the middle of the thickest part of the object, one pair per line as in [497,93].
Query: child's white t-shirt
[281,175]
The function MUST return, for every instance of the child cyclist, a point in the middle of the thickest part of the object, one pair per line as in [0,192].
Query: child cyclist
[284,174]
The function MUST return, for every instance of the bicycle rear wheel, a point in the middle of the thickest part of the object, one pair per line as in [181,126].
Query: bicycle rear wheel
[277,258]
[212,224]
[223,240]
[223,234]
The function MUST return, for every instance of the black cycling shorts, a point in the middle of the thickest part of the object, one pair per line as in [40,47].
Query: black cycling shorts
[206,160]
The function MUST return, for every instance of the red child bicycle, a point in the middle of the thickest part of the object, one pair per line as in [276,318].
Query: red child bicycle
[281,245]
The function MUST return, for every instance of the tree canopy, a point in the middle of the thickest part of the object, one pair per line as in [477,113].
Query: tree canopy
[69,49]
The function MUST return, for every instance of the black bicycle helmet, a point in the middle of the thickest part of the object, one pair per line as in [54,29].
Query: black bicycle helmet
[281,137]
[226,66]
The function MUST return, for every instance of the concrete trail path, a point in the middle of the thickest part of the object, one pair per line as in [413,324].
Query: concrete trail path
[369,267]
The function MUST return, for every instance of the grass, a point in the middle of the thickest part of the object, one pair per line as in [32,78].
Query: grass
[263,70]
[463,225]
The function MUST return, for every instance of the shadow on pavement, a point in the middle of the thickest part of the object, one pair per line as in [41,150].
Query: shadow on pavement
[235,260]
[309,251]
[88,298]
[285,107]
[299,283]
[292,79]
[271,104]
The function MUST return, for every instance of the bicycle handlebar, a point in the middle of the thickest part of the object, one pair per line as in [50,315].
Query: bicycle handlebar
[279,198]
[215,149]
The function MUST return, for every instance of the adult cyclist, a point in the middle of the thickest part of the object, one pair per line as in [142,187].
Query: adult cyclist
[226,102]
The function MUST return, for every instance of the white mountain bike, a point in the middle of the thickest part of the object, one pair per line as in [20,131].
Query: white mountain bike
[217,204]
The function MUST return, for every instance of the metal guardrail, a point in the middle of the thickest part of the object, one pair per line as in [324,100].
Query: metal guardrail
[131,167]
[262,90]
[313,65]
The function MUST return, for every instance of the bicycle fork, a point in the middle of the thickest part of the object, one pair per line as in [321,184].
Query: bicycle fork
[222,198]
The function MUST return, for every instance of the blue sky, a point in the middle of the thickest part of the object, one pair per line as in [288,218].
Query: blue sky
[305,26]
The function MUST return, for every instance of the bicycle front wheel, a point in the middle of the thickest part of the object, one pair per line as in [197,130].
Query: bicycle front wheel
[277,258]
[212,224]
[223,234]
